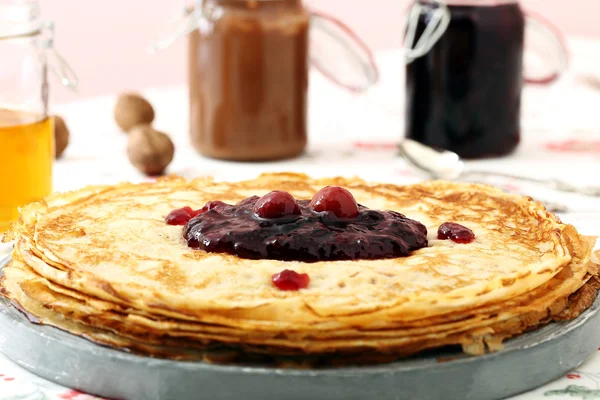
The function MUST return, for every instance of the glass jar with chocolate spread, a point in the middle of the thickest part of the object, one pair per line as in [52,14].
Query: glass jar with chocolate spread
[248,68]
[248,79]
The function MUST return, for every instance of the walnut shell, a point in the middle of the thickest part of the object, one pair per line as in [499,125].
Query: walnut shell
[149,150]
[132,109]
[61,136]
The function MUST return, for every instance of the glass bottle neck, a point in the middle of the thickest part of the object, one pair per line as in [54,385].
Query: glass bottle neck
[19,18]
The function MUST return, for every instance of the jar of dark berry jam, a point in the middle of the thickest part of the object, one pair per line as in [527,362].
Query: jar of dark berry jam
[248,73]
[463,92]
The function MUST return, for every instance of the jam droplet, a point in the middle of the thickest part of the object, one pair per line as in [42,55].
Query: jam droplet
[276,204]
[455,232]
[181,216]
[290,280]
[337,200]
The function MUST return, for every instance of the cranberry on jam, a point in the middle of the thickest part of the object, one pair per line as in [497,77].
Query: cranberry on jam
[290,280]
[211,205]
[181,216]
[276,204]
[455,232]
[277,227]
[337,200]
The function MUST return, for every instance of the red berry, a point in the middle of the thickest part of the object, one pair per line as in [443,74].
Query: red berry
[211,205]
[290,280]
[276,204]
[337,200]
[455,232]
[181,216]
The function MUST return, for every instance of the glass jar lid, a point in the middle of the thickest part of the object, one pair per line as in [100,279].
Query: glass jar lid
[339,54]
[23,18]
[19,18]
[476,2]
[546,56]
[334,49]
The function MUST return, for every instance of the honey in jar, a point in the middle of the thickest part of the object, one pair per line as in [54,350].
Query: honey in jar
[26,155]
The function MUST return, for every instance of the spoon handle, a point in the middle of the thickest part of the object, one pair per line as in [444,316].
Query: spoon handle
[555,184]
[593,191]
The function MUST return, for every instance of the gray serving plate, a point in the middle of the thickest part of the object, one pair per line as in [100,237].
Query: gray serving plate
[528,361]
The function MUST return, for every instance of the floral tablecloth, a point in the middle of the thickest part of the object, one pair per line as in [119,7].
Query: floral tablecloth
[355,135]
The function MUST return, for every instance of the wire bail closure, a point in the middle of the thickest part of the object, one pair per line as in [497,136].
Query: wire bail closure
[187,20]
[436,27]
[184,22]
[57,63]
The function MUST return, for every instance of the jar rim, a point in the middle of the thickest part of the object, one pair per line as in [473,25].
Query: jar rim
[256,1]
[489,3]
[249,3]
[20,18]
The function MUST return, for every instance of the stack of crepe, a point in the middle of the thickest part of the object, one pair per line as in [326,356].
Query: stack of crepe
[101,263]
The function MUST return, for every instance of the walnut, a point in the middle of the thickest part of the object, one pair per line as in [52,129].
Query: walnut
[61,136]
[132,109]
[149,150]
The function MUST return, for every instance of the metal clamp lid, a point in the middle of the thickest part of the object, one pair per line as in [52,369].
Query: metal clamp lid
[436,27]
[57,63]
[182,23]
[546,53]
[21,19]
[335,50]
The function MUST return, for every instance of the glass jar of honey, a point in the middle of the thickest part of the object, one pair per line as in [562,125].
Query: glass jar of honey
[26,130]
[248,73]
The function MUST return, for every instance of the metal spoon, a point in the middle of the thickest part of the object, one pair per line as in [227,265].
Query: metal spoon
[444,164]
[438,164]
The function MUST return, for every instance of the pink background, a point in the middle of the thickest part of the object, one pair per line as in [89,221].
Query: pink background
[105,41]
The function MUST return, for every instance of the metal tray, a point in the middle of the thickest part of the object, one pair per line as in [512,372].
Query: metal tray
[527,362]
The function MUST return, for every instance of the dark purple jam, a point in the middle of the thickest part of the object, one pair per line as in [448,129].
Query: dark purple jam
[308,236]
[464,95]
[455,232]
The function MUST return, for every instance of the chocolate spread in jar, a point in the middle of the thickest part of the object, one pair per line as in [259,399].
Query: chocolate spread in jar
[248,78]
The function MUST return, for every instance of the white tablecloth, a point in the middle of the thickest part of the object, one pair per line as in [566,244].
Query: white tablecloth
[356,135]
